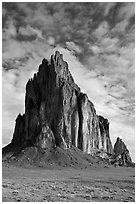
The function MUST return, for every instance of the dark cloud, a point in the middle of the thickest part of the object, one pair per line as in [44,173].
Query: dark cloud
[68,21]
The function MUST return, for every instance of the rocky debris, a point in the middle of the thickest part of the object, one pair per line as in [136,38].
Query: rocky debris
[58,114]
[121,156]
[46,139]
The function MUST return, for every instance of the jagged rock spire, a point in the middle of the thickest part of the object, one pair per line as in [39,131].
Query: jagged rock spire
[57,113]
[121,153]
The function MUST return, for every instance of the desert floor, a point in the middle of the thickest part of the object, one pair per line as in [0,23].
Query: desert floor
[68,184]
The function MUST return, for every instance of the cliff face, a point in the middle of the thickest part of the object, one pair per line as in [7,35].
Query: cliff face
[19,132]
[105,137]
[57,113]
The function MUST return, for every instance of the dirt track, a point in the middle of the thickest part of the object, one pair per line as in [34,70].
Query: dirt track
[68,184]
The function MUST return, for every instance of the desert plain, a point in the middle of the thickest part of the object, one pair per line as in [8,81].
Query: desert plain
[68,184]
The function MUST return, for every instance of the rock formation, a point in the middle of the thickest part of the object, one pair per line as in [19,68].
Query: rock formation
[105,138]
[121,154]
[58,114]
[19,132]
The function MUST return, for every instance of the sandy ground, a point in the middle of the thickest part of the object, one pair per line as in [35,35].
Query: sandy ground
[68,184]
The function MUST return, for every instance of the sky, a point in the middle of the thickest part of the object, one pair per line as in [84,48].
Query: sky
[98,42]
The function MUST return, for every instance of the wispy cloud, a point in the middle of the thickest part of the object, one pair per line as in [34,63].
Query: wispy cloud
[30,31]
[102,30]
[126,11]
[73,47]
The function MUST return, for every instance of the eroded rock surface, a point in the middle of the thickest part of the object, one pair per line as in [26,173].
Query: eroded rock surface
[56,111]
[121,154]
[105,137]
[19,132]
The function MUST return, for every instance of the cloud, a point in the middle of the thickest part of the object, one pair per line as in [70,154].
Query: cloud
[109,44]
[107,7]
[102,30]
[127,10]
[121,26]
[106,45]
[73,47]
[28,31]
[14,49]
[10,30]
[124,16]
[95,49]
[51,40]
[12,103]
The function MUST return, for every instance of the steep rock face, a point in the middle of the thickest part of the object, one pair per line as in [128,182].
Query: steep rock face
[19,132]
[105,137]
[88,125]
[51,99]
[57,113]
[119,147]
[121,153]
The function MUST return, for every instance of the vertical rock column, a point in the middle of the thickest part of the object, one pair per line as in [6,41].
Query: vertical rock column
[121,153]
[19,132]
[88,136]
[105,138]
[51,102]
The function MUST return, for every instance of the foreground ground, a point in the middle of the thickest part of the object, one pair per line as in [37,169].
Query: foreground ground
[68,184]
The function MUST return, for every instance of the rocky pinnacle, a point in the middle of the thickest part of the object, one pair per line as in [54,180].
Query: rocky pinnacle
[57,113]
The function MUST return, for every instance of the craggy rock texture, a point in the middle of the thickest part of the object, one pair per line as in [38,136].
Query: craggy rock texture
[51,99]
[121,154]
[19,132]
[105,138]
[57,113]
[89,132]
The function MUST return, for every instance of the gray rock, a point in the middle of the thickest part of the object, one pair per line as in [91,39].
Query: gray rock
[105,137]
[121,154]
[19,132]
[57,113]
